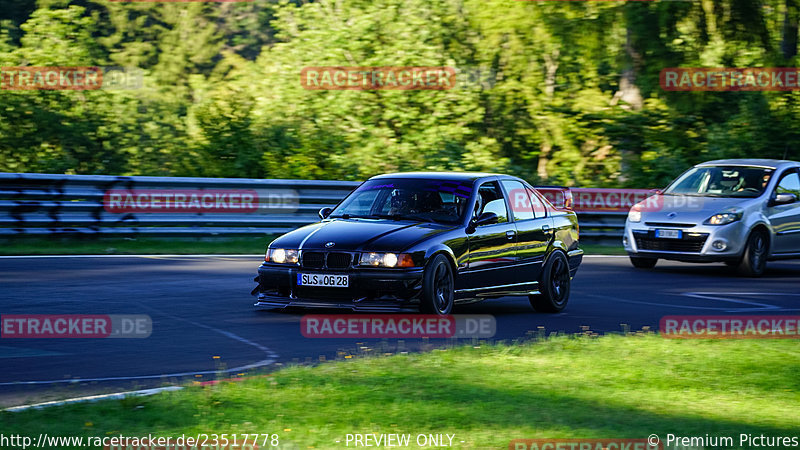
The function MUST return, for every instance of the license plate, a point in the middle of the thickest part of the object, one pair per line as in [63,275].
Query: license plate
[318,279]
[669,234]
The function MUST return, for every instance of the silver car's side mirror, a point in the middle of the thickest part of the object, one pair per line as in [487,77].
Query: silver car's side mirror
[783,199]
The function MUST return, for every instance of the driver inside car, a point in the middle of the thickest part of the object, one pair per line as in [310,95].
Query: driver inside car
[755,183]
[430,202]
[402,202]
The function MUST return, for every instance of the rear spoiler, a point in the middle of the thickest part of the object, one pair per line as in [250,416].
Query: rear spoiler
[559,196]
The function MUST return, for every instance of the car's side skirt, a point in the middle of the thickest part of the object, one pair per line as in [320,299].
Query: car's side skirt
[525,288]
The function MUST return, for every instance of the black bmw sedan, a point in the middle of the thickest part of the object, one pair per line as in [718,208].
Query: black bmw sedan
[426,241]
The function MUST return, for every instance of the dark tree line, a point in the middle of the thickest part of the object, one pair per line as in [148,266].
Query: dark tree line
[557,92]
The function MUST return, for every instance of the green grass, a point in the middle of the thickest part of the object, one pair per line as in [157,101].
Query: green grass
[598,249]
[564,387]
[142,245]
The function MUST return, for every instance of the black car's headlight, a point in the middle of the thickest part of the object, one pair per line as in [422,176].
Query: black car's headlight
[728,216]
[386,260]
[282,255]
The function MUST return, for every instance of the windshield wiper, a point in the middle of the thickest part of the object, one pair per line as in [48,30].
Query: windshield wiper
[389,216]
[368,216]
[393,217]
[352,216]
[422,219]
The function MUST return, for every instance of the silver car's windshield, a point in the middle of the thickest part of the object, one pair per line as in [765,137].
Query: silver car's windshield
[722,181]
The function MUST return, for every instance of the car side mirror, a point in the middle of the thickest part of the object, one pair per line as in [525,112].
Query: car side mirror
[783,199]
[486,218]
[325,212]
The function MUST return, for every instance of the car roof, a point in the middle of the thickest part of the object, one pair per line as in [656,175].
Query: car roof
[769,163]
[459,176]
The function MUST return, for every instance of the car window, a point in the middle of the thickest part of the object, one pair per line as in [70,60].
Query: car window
[520,200]
[721,181]
[789,184]
[442,201]
[539,210]
[490,199]
[363,203]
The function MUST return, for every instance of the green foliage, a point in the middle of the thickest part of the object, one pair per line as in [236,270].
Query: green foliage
[566,92]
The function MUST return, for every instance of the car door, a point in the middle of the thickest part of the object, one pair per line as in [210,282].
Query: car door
[492,252]
[533,230]
[785,219]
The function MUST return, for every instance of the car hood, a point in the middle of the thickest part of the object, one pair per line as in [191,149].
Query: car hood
[360,234]
[686,209]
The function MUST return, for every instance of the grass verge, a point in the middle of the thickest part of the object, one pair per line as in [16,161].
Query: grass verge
[563,387]
[599,249]
[142,245]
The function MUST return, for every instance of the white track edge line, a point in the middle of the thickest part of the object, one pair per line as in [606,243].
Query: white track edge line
[95,398]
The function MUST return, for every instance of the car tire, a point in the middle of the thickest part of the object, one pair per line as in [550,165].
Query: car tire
[643,263]
[554,285]
[437,287]
[754,259]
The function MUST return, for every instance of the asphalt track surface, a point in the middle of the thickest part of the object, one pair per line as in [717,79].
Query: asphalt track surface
[204,324]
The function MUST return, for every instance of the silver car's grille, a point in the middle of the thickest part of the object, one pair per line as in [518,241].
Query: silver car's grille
[668,224]
[689,244]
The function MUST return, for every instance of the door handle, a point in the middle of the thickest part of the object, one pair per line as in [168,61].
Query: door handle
[510,234]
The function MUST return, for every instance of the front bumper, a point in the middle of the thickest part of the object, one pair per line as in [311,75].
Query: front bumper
[695,245]
[370,289]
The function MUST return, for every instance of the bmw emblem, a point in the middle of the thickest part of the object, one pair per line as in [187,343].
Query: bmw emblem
[330,244]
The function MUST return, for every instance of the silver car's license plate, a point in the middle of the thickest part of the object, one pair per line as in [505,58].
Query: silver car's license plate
[669,234]
[318,279]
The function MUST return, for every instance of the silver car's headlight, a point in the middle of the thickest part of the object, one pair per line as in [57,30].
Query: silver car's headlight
[635,215]
[725,217]
[282,256]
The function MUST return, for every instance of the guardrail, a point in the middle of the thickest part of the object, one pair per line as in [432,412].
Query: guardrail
[97,205]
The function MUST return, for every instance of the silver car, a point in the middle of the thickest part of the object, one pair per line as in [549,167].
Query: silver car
[742,212]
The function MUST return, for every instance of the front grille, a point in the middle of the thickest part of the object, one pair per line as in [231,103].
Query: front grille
[313,260]
[339,260]
[689,244]
[320,260]
[667,224]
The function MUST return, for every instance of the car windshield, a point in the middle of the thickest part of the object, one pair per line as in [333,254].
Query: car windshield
[722,181]
[442,201]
